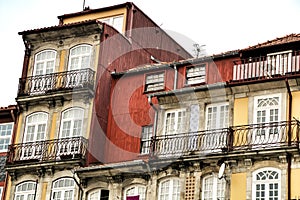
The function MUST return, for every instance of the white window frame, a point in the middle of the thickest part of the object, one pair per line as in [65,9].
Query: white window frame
[80,57]
[5,137]
[97,192]
[72,121]
[216,188]
[221,121]
[154,82]
[147,133]
[44,62]
[179,124]
[112,21]
[62,190]
[171,191]
[42,119]
[267,182]
[27,193]
[195,74]
[138,190]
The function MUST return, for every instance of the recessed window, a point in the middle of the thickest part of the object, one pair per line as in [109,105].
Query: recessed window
[146,139]
[175,121]
[5,136]
[217,116]
[169,189]
[135,192]
[195,74]
[213,188]
[115,21]
[63,189]
[98,194]
[44,62]
[155,82]
[71,123]
[80,57]
[25,191]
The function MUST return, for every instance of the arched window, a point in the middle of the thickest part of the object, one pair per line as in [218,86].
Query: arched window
[135,191]
[25,191]
[36,125]
[213,187]
[98,194]
[71,123]
[169,189]
[80,57]
[266,184]
[63,189]
[44,62]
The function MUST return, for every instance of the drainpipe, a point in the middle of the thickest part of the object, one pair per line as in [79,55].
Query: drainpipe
[289,157]
[36,184]
[155,120]
[175,77]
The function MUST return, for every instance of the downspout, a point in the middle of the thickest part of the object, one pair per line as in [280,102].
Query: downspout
[36,183]
[289,157]
[155,122]
[80,191]
[175,77]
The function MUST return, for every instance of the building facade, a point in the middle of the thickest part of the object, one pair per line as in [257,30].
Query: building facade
[64,99]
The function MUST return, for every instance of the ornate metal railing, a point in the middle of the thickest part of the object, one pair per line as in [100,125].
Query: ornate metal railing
[48,150]
[41,84]
[265,67]
[248,137]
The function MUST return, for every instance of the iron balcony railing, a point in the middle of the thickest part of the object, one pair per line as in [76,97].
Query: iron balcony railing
[249,137]
[265,67]
[41,84]
[48,150]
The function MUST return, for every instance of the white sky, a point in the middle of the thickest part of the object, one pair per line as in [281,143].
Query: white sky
[221,25]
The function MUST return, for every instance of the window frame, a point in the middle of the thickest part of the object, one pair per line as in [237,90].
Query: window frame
[136,191]
[201,77]
[44,62]
[36,125]
[216,182]
[266,182]
[80,57]
[26,192]
[72,122]
[5,137]
[146,139]
[218,123]
[99,193]
[176,129]
[156,86]
[110,21]
[63,189]
[170,192]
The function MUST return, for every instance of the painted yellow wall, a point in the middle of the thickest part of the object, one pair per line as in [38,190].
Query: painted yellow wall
[240,111]
[295,105]
[238,186]
[18,136]
[44,190]
[8,189]
[53,126]
[62,61]
[295,177]
[103,14]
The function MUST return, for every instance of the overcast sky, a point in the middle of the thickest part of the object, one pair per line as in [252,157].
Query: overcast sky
[220,25]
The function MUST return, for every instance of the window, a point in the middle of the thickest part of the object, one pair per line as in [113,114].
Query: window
[25,191]
[266,184]
[80,57]
[267,113]
[63,189]
[35,129]
[155,82]
[71,123]
[169,189]
[135,191]
[217,116]
[44,62]
[5,136]
[1,191]
[98,194]
[146,139]
[175,121]
[195,74]
[213,188]
[116,22]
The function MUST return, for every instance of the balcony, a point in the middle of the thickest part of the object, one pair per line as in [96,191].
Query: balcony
[47,151]
[49,83]
[266,67]
[276,135]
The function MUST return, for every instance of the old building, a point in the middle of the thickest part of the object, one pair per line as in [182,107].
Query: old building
[219,127]
[64,95]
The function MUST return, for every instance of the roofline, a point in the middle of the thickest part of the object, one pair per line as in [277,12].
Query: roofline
[59,27]
[89,11]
